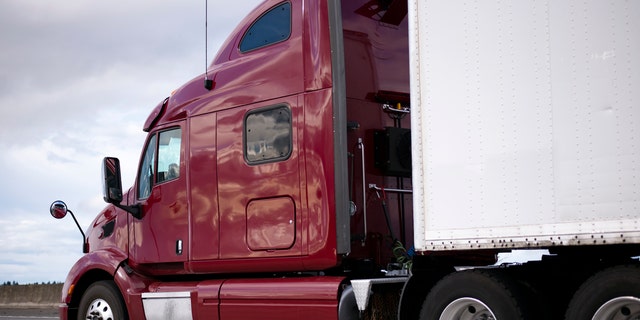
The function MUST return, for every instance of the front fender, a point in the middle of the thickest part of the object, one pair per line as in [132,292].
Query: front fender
[103,265]
[93,266]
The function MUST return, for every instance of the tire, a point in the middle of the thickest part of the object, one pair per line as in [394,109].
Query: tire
[474,294]
[613,293]
[102,300]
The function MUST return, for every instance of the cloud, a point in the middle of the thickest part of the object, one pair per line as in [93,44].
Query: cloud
[63,59]
[77,81]
[35,250]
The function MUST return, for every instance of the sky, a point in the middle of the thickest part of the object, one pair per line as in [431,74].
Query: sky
[78,79]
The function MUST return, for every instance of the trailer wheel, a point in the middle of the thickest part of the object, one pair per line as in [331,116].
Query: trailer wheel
[102,301]
[474,294]
[611,294]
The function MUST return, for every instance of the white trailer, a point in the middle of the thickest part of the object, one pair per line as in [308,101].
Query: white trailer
[526,134]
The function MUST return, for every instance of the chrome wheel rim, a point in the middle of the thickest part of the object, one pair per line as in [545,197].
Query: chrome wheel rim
[467,309]
[99,309]
[620,308]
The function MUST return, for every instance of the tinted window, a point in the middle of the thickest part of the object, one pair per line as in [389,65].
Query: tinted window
[272,27]
[268,135]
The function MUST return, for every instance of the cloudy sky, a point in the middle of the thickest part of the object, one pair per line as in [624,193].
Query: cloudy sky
[77,81]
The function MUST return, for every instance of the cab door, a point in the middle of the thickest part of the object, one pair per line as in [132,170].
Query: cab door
[160,235]
[262,211]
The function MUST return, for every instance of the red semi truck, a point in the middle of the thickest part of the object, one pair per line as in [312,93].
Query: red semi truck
[371,158]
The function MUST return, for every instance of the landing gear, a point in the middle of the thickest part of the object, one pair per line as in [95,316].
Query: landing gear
[102,301]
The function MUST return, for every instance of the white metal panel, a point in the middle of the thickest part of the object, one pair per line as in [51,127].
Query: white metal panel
[526,122]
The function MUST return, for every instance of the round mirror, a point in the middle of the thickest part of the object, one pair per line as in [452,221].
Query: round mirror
[58,209]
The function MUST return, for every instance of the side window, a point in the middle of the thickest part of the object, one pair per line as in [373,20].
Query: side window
[272,27]
[147,169]
[161,160]
[169,155]
[268,135]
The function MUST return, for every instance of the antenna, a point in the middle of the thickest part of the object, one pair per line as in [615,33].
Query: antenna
[208,83]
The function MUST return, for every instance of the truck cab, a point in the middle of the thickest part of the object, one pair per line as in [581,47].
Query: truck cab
[252,175]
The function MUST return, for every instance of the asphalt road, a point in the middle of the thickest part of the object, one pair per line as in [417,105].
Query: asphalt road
[28,313]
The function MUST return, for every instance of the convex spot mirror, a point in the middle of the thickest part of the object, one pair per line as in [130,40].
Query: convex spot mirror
[58,209]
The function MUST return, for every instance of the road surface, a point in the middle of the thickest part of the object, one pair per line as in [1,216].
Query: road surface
[7,313]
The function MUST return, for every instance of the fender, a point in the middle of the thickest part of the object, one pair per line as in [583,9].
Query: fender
[413,294]
[426,272]
[96,265]
[132,285]
[105,264]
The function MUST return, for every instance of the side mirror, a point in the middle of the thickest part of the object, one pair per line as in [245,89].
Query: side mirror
[111,180]
[112,186]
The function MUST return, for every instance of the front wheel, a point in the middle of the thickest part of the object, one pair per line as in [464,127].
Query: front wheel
[102,301]
[473,294]
[611,294]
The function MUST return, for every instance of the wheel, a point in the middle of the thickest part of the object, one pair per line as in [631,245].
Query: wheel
[475,295]
[102,301]
[610,294]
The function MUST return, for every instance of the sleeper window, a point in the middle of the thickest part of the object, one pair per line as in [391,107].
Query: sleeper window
[272,27]
[268,135]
